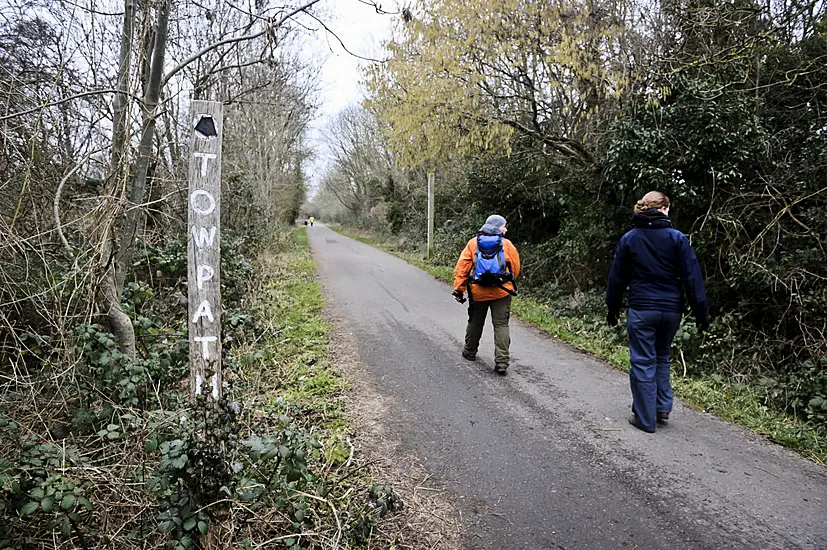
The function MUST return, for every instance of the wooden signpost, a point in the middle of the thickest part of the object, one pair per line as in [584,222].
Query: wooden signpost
[204,250]
[431,206]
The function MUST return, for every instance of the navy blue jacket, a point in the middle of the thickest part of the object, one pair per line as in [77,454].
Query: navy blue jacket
[659,266]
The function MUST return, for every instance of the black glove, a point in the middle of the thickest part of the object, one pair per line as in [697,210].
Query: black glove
[459,296]
[703,322]
[612,318]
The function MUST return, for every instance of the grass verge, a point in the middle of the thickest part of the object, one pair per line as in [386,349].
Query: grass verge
[295,377]
[739,403]
[288,306]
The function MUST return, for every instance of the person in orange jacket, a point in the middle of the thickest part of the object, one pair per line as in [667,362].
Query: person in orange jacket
[488,268]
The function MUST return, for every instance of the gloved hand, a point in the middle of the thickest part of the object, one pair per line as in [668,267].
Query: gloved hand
[703,322]
[459,296]
[612,318]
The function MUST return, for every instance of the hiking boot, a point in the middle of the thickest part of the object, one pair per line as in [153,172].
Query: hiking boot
[501,369]
[469,356]
[663,417]
[633,420]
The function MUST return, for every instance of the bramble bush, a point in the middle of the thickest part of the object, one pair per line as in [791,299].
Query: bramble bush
[128,460]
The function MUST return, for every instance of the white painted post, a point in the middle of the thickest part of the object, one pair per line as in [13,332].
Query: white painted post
[430,214]
[204,250]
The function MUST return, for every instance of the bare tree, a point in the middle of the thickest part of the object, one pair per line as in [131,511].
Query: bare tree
[123,216]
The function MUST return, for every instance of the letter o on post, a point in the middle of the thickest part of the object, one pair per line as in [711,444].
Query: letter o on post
[194,202]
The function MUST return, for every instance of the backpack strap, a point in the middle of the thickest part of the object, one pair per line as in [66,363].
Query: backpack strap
[512,292]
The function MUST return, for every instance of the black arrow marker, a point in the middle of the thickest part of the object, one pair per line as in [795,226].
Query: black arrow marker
[206,127]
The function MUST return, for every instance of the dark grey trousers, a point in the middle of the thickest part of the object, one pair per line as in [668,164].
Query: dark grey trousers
[500,315]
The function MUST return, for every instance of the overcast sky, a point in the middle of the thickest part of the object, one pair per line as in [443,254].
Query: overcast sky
[362,30]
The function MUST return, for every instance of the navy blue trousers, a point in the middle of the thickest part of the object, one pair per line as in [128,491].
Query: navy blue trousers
[650,346]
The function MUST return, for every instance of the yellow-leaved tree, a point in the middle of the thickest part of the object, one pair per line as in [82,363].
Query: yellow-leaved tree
[465,75]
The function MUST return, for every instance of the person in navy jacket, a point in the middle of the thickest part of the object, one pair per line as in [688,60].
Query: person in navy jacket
[658,265]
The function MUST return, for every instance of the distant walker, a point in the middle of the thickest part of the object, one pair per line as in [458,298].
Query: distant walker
[488,269]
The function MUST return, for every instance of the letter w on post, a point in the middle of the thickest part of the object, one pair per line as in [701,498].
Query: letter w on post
[202,237]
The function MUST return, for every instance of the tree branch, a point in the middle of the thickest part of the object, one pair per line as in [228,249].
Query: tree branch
[59,192]
[61,102]
[567,147]
[379,8]
[233,40]
[342,44]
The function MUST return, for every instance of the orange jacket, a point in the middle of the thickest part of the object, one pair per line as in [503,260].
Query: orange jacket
[466,264]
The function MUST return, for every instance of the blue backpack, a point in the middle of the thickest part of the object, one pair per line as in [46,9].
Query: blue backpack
[490,267]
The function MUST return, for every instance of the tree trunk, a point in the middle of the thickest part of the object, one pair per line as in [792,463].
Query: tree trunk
[136,213]
[110,292]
